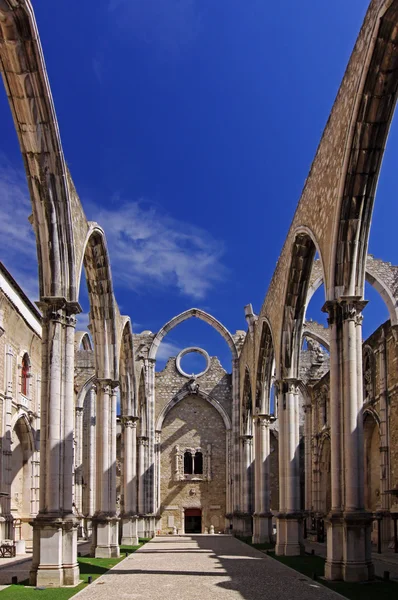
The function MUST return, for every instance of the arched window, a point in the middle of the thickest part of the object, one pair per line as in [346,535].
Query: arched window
[369,372]
[25,374]
[198,463]
[188,463]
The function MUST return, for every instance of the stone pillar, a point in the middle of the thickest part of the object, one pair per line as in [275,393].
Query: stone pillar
[78,495]
[294,516]
[141,448]
[308,457]
[6,529]
[129,518]
[105,523]
[280,397]
[236,462]
[247,480]
[263,515]
[349,525]
[54,560]
[89,494]
[384,444]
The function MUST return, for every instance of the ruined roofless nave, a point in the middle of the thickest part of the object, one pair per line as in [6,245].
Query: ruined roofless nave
[301,435]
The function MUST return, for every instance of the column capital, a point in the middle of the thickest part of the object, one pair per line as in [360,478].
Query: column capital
[264,420]
[104,385]
[129,421]
[291,385]
[345,308]
[56,308]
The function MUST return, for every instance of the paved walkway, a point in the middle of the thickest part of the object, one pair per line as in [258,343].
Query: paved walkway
[213,567]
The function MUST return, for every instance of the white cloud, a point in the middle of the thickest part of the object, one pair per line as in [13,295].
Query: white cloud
[169,25]
[148,247]
[18,245]
[167,349]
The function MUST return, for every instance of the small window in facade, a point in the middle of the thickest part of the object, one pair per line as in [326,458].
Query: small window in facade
[188,463]
[198,463]
[25,375]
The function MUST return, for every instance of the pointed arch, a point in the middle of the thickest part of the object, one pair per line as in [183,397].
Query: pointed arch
[126,370]
[83,341]
[188,314]
[202,394]
[303,253]
[103,322]
[382,276]
[26,83]
[142,405]
[370,123]
[247,405]
[265,367]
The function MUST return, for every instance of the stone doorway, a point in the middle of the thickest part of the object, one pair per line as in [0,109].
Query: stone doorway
[193,520]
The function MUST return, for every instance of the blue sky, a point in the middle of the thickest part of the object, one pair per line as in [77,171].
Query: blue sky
[189,128]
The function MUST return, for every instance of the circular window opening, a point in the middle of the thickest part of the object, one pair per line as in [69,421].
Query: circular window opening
[192,362]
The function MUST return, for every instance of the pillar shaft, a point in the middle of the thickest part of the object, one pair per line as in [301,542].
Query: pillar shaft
[289,526]
[55,528]
[129,524]
[348,552]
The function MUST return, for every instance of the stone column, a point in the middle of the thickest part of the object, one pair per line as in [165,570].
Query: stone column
[294,516]
[263,491]
[308,457]
[247,479]
[90,495]
[236,465]
[384,444]
[54,560]
[6,450]
[129,518]
[141,449]
[79,460]
[349,525]
[105,522]
[281,518]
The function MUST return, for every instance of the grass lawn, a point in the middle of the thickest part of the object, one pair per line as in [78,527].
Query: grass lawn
[310,564]
[88,566]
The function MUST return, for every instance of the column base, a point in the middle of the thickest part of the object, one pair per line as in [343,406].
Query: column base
[262,528]
[54,561]
[105,543]
[348,547]
[129,531]
[289,535]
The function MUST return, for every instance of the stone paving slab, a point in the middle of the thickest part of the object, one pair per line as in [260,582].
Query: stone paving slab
[213,567]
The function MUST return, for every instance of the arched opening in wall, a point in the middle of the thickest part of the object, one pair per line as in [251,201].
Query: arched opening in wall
[101,319]
[25,375]
[372,462]
[22,483]
[142,407]
[265,380]
[126,373]
[302,360]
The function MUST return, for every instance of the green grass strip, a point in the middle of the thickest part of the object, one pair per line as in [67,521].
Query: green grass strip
[94,567]
[314,567]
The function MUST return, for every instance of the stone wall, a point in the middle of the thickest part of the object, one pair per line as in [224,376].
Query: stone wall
[193,422]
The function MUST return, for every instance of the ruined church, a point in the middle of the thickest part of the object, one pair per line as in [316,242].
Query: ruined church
[297,439]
